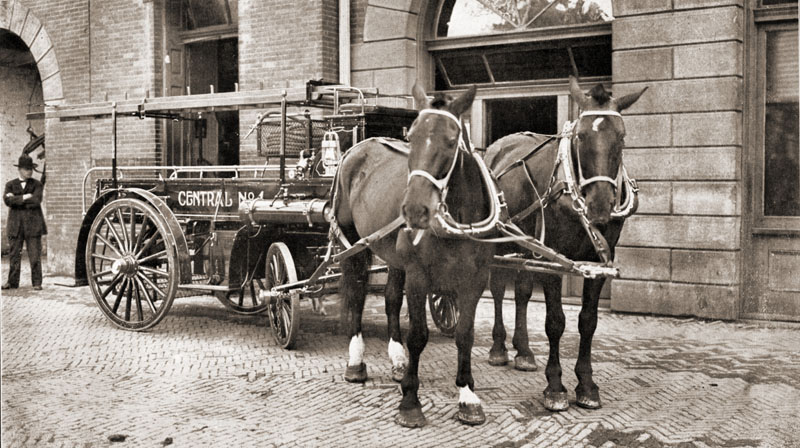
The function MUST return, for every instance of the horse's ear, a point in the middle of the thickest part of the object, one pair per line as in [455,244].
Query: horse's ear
[576,93]
[628,100]
[463,102]
[420,97]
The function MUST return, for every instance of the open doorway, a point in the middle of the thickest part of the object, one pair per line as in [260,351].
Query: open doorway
[510,115]
[213,65]
[20,94]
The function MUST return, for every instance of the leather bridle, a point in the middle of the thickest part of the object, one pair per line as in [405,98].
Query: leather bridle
[444,224]
[441,184]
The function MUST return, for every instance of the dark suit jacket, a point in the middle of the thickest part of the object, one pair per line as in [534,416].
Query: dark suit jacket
[25,217]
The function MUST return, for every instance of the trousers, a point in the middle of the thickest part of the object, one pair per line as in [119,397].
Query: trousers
[34,246]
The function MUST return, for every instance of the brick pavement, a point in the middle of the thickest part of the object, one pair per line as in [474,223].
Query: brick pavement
[207,377]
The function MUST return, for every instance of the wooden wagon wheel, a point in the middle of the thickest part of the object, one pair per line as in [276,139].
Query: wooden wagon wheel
[245,300]
[283,310]
[444,312]
[132,272]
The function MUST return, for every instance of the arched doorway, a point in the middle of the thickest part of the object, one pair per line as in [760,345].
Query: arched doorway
[21,93]
[29,78]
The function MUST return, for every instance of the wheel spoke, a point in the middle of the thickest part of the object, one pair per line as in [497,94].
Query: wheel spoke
[157,255]
[157,272]
[138,302]
[128,297]
[102,273]
[151,284]
[287,320]
[142,230]
[119,296]
[148,244]
[114,233]
[146,295]
[103,257]
[123,230]
[111,286]
[108,244]
[133,227]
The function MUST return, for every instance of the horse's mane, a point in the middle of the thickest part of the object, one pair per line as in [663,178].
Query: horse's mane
[600,94]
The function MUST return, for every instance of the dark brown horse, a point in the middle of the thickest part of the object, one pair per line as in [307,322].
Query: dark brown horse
[375,186]
[526,165]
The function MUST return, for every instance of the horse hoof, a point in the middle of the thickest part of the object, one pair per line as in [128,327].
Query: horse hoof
[398,373]
[556,401]
[525,363]
[498,359]
[590,401]
[356,374]
[471,414]
[411,418]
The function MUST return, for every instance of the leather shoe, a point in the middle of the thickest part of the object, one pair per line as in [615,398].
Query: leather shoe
[7,286]
[37,288]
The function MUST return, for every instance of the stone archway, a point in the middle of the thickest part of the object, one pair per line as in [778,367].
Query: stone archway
[388,57]
[21,21]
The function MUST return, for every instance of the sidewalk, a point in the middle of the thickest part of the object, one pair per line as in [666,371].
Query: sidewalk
[205,376]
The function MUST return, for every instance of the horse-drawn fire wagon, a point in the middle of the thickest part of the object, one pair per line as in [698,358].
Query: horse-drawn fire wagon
[248,234]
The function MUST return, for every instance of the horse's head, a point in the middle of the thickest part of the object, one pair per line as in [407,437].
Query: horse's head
[597,149]
[434,138]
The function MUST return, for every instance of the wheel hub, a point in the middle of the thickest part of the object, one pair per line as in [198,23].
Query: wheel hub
[126,265]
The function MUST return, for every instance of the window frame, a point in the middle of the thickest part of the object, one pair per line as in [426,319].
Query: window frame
[765,224]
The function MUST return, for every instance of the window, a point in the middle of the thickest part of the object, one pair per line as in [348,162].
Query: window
[548,60]
[473,17]
[781,178]
[207,13]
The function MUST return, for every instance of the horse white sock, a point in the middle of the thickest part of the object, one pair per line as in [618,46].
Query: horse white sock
[467,396]
[356,350]
[397,354]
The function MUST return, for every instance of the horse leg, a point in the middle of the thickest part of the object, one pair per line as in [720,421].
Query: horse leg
[523,288]
[498,354]
[470,410]
[354,291]
[587,392]
[394,302]
[555,395]
[410,412]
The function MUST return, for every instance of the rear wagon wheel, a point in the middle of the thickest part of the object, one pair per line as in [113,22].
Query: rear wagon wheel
[132,271]
[444,312]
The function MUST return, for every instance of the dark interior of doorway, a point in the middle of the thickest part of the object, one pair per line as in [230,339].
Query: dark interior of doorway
[507,116]
[216,63]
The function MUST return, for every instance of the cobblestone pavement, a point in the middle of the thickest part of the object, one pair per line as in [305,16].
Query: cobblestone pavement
[205,376]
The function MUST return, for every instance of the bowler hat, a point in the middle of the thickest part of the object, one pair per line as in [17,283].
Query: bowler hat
[25,161]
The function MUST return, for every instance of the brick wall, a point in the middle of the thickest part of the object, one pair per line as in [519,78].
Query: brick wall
[85,50]
[681,253]
[284,43]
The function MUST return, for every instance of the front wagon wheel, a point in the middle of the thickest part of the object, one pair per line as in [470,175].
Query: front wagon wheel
[283,309]
[132,272]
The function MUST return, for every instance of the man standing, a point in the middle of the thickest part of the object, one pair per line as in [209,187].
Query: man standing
[25,222]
